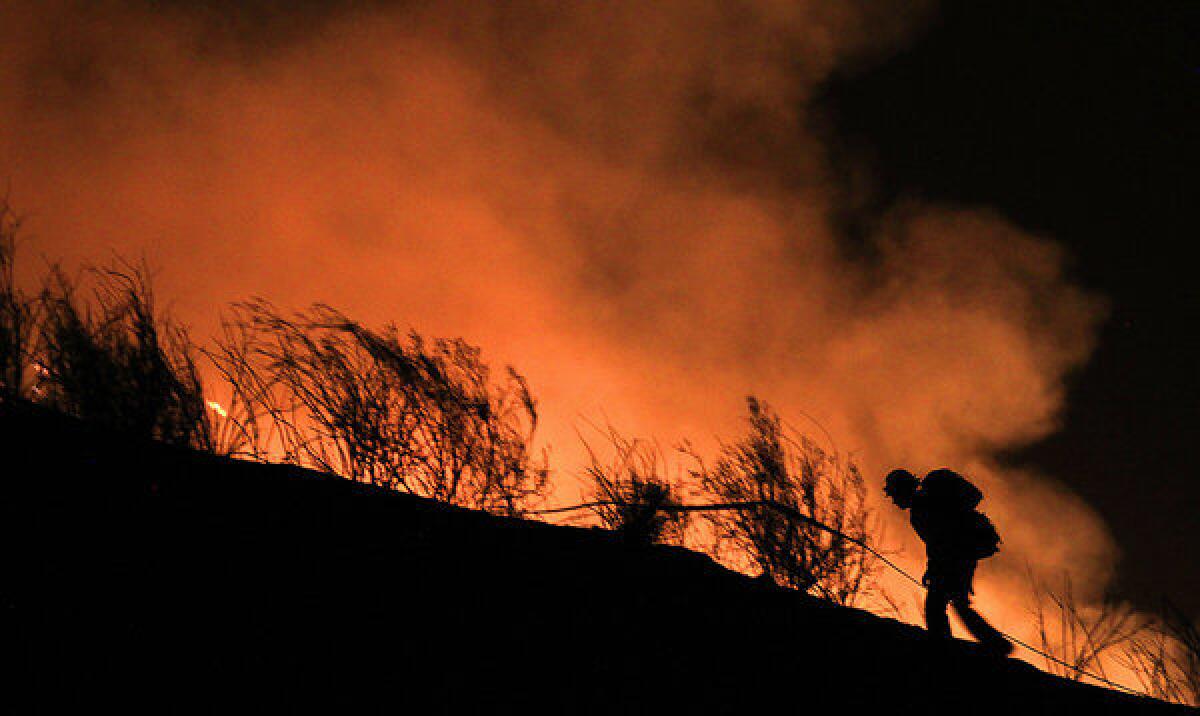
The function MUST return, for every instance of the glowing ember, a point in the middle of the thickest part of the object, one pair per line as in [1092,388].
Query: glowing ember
[216,408]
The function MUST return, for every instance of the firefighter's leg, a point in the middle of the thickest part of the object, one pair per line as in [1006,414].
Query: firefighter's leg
[983,632]
[936,620]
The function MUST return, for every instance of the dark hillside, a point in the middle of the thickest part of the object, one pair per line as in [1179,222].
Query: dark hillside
[157,577]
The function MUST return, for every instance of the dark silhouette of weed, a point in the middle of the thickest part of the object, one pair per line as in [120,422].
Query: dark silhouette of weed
[415,415]
[771,464]
[1079,637]
[17,315]
[633,491]
[115,361]
[1165,657]
[249,408]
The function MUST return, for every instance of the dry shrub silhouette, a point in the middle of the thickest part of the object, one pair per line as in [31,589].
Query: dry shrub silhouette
[1080,637]
[1165,657]
[17,315]
[416,415]
[243,422]
[423,416]
[114,360]
[635,495]
[774,465]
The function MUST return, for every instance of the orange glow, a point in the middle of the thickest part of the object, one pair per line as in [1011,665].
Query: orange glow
[627,201]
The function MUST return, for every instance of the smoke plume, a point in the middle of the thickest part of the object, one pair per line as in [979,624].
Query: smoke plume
[625,200]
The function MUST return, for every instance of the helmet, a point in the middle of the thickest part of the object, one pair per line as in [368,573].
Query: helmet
[899,482]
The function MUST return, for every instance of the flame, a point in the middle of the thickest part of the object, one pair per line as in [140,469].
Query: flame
[216,408]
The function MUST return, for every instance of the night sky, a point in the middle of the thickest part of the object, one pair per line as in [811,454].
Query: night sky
[1081,121]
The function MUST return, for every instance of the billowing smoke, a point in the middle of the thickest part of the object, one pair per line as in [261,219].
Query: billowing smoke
[626,200]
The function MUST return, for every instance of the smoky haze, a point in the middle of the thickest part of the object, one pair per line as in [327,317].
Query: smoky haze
[627,201]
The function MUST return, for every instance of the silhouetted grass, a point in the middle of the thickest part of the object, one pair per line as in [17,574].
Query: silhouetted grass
[1165,657]
[16,315]
[1077,635]
[635,485]
[115,361]
[246,424]
[318,389]
[771,464]
[416,415]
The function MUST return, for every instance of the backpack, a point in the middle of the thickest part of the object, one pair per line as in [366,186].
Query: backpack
[981,539]
[947,492]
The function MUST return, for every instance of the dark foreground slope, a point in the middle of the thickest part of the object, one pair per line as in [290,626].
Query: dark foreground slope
[153,577]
